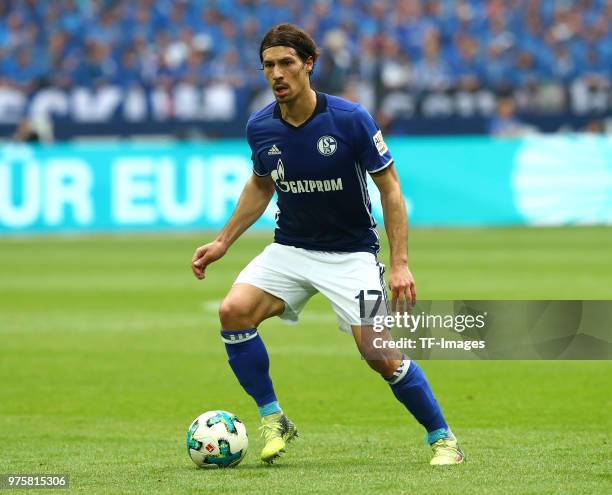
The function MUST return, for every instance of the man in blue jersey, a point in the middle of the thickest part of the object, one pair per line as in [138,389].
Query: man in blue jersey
[314,150]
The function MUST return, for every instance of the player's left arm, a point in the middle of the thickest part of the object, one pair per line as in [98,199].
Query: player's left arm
[401,281]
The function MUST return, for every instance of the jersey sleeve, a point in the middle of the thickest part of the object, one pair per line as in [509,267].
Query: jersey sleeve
[258,167]
[372,151]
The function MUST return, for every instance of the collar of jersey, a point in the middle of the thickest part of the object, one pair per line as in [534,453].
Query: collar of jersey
[320,107]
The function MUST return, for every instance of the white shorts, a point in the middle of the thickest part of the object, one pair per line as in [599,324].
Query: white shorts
[295,275]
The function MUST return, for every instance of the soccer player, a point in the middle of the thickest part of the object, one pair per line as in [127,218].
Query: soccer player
[314,150]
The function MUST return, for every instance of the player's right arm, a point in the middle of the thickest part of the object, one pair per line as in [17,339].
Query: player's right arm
[253,201]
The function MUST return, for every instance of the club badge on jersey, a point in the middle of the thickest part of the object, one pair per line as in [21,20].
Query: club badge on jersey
[327,145]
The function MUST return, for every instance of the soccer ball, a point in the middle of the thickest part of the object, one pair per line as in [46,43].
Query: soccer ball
[217,439]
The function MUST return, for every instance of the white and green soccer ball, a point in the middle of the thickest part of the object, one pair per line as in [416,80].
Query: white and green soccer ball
[217,439]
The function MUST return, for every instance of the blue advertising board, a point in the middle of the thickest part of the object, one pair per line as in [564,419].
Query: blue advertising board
[559,180]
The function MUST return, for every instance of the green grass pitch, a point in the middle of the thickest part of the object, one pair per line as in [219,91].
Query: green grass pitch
[109,348]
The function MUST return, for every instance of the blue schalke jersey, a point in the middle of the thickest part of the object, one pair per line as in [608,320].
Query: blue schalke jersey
[319,171]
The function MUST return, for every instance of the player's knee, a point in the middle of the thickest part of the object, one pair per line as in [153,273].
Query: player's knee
[235,315]
[385,367]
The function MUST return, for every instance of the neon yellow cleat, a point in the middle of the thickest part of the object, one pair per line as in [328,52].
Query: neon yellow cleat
[277,430]
[446,452]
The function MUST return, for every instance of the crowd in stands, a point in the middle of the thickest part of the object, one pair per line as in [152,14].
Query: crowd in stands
[379,45]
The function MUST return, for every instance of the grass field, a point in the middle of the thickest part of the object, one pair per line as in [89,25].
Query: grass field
[109,348]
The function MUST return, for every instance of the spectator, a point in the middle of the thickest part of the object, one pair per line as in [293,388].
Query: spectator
[432,72]
[96,68]
[505,123]
[22,71]
[595,126]
[335,63]
[129,72]
[395,67]
[466,67]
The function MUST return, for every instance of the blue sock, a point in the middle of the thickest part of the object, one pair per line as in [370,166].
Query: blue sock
[412,389]
[249,360]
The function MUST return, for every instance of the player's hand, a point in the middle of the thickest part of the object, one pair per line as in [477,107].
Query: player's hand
[403,289]
[205,255]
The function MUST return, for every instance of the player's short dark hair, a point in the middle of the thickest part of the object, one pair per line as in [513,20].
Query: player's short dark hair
[291,36]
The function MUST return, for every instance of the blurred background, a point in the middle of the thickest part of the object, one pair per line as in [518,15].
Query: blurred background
[189,68]
[139,107]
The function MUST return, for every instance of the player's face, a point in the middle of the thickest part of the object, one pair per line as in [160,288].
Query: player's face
[285,72]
